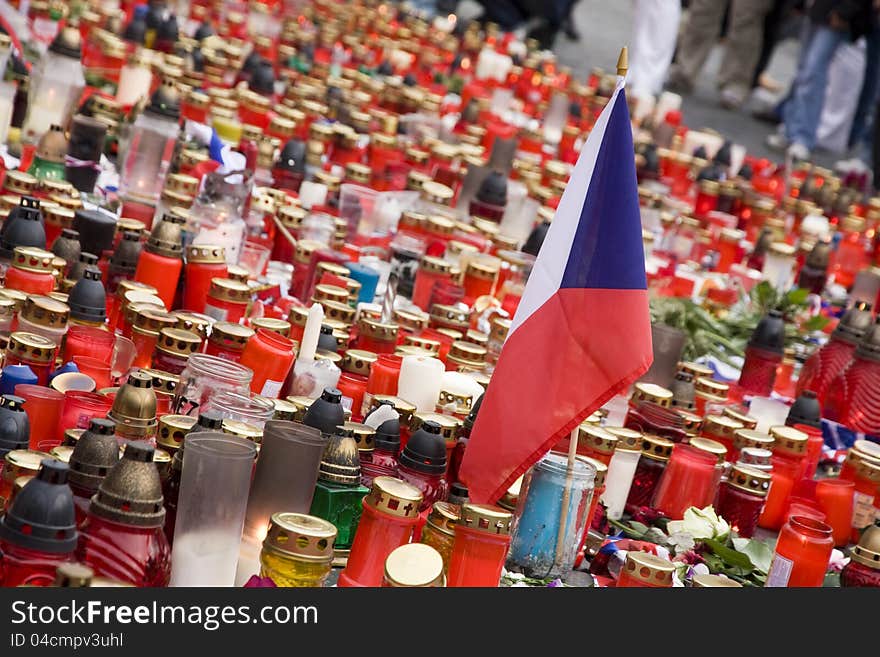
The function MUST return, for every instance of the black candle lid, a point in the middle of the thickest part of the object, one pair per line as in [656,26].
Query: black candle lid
[493,189]
[96,230]
[769,335]
[805,410]
[88,298]
[425,450]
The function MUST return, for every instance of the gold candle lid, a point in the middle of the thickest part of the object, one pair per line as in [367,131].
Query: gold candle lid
[377,329]
[45,311]
[229,290]
[403,407]
[705,581]
[721,425]
[30,258]
[713,447]
[150,321]
[22,462]
[301,536]
[695,369]
[205,253]
[280,326]
[411,320]
[627,439]
[449,426]
[789,440]
[691,422]
[178,341]
[432,346]
[164,383]
[443,314]
[238,273]
[243,430]
[710,388]
[191,321]
[596,438]
[747,421]
[443,517]
[395,497]
[657,447]
[743,438]
[414,565]
[338,311]
[749,479]
[325,292]
[649,568]
[363,435]
[31,347]
[651,392]
[601,470]
[485,518]
[230,336]
[173,429]
[358,361]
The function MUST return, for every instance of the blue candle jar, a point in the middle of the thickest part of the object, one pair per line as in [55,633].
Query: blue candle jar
[539,513]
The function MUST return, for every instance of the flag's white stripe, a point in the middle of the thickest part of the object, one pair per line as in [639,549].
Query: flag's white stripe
[546,276]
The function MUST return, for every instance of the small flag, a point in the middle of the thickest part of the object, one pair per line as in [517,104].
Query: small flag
[582,332]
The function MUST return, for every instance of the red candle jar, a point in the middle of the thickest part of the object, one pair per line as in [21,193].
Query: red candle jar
[145,332]
[384,375]
[43,407]
[655,455]
[431,270]
[803,550]
[195,106]
[33,350]
[31,271]
[297,316]
[80,408]
[722,429]
[376,336]
[707,199]
[814,449]
[270,356]
[227,300]
[741,498]
[689,480]
[173,348]
[444,341]
[729,250]
[789,451]
[228,340]
[863,568]
[759,371]
[851,255]
[204,263]
[122,299]
[291,217]
[479,277]
[159,264]
[865,473]
[390,514]
[645,570]
[88,341]
[356,366]
[482,538]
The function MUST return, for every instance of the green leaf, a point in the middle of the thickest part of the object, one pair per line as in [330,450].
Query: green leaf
[797,296]
[758,552]
[816,323]
[732,558]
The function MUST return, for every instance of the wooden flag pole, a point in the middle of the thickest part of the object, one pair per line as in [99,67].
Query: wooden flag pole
[566,496]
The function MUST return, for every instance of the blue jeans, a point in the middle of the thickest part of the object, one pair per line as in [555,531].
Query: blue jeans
[802,109]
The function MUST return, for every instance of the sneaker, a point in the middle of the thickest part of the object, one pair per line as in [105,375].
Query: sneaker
[776,141]
[732,97]
[798,152]
[678,83]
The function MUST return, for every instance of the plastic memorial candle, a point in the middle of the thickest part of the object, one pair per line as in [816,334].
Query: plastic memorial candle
[644,570]
[214,484]
[356,365]
[779,263]
[43,407]
[835,498]
[18,463]
[297,550]
[866,479]
[31,271]
[173,347]
[803,550]
[621,470]
[145,333]
[687,481]
[384,377]
[32,350]
[744,438]
[270,356]
[721,429]
[95,453]
[863,568]
[338,493]
[38,530]
[228,340]
[414,565]
[439,530]
[431,270]
[709,395]
[122,535]
[44,316]
[595,442]
[227,300]
[652,462]
[789,450]
[203,264]
[390,514]
[539,511]
[160,261]
[851,255]
[763,355]
[852,400]
[420,381]
[482,539]
[376,336]
[741,498]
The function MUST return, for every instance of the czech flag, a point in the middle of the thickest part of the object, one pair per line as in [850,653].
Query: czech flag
[582,332]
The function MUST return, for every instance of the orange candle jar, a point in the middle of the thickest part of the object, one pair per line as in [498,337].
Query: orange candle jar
[479,277]
[228,340]
[227,300]
[390,514]
[160,264]
[376,336]
[270,356]
[384,375]
[729,251]
[789,451]
[865,473]
[204,263]
[596,443]
[482,539]
[145,332]
[31,271]
[645,570]
[803,550]
[431,270]
[688,480]
[709,395]
[356,365]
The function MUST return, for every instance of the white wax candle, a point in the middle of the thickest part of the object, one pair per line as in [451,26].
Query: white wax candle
[134,84]
[312,193]
[311,333]
[204,559]
[248,560]
[420,380]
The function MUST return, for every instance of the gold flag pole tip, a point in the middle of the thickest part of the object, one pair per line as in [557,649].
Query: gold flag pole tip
[623,62]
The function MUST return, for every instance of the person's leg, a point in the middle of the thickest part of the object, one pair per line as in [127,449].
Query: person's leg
[504,12]
[700,34]
[655,30]
[772,23]
[864,116]
[742,50]
[803,110]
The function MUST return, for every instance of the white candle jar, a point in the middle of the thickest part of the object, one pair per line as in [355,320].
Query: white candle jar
[779,264]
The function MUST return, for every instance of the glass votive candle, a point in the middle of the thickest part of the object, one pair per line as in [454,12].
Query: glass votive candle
[482,538]
[687,481]
[88,341]
[835,498]
[431,270]
[803,550]
[80,408]
[98,370]
[741,498]
[43,407]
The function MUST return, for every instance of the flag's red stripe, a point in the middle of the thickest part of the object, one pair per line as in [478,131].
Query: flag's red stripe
[577,351]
